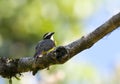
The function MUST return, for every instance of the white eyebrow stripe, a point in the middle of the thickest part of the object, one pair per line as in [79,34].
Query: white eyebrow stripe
[48,34]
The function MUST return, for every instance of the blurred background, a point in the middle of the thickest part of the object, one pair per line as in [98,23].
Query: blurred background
[23,23]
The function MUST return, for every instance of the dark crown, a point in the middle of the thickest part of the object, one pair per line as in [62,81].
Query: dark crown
[48,35]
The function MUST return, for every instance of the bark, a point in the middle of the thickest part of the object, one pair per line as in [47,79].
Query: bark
[11,67]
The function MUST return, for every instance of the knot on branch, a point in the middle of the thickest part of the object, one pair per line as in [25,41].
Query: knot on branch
[61,53]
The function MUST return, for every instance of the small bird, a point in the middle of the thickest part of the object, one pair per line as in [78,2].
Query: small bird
[44,46]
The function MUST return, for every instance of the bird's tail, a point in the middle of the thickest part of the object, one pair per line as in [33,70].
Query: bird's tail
[36,55]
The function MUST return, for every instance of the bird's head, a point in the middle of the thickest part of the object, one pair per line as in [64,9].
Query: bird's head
[48,35]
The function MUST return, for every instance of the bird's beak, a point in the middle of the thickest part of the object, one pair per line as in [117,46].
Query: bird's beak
[52,33]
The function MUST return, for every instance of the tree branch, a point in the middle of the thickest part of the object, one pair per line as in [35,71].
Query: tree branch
[10,67]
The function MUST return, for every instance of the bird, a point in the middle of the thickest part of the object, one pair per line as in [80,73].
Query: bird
[44,46]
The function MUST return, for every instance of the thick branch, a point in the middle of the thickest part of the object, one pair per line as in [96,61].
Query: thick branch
[61,54]
[88,40]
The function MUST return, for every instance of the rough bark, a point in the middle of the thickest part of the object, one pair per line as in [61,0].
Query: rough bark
[10,67]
